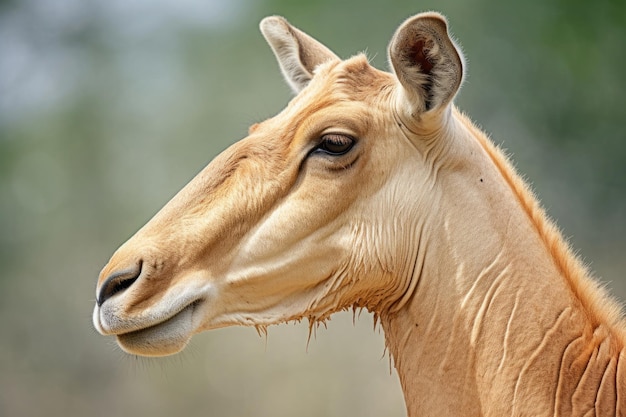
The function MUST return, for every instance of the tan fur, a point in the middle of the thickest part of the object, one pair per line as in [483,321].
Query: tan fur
[423,222]
[597,303]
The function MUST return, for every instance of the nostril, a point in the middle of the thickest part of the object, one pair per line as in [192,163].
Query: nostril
[117,282]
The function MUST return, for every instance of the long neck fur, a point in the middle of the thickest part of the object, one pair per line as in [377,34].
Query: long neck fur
[504,319]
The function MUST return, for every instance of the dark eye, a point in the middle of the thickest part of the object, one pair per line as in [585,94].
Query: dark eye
[335,144]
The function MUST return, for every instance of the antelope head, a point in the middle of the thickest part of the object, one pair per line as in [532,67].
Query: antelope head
[318,209]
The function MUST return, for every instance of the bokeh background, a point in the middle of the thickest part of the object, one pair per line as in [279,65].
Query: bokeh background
[107,108]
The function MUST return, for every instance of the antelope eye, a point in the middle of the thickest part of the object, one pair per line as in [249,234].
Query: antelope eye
[335,144]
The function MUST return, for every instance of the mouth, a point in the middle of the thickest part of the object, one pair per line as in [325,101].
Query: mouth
[167,337]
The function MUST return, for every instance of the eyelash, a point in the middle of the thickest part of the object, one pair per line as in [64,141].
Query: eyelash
[335,144]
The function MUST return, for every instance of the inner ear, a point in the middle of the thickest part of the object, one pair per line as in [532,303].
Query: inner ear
[426,61]
[417,54]
[420,54]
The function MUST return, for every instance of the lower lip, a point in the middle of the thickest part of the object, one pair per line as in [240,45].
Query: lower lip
[166,338]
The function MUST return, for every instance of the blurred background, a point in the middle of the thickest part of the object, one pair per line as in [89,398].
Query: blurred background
[107,108]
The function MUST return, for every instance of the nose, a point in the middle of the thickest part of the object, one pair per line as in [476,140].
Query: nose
[118,281]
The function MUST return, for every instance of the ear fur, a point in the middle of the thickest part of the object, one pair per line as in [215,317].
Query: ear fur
[427,63]
[297,53]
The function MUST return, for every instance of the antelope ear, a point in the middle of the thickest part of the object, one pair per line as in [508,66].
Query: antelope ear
[427,63]
[297,53]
